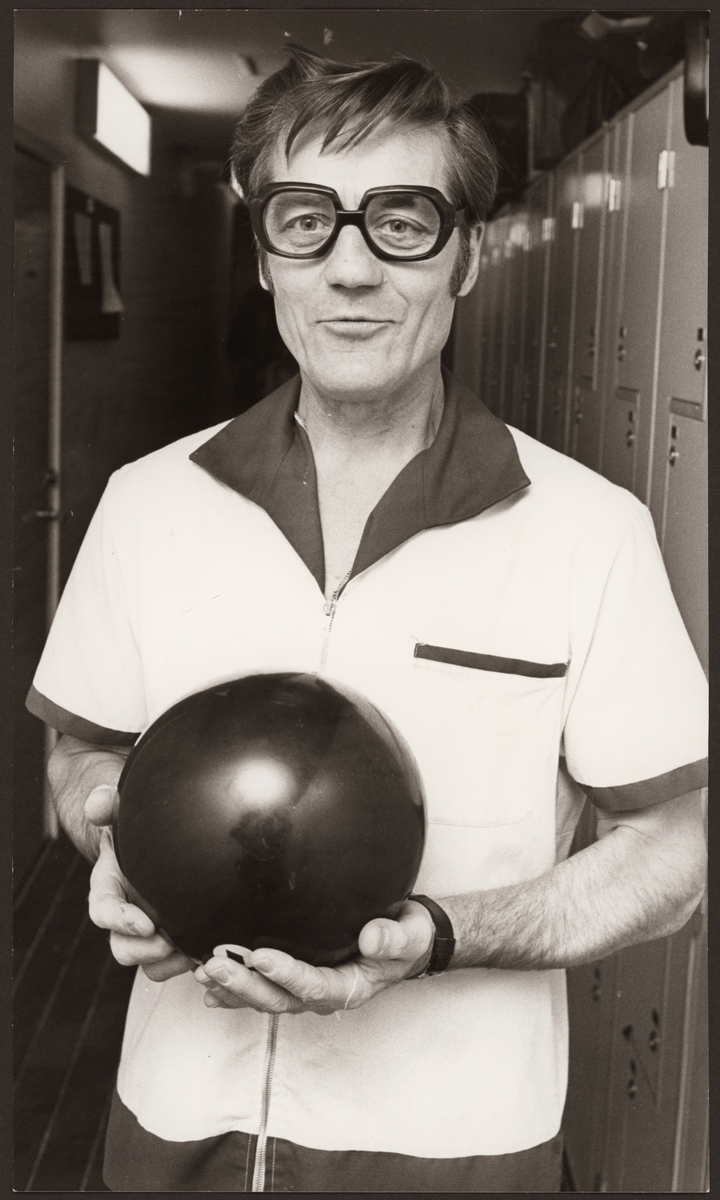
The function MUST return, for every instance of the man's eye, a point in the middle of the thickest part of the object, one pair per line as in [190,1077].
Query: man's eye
[402,225]
[307,222]
[401,231]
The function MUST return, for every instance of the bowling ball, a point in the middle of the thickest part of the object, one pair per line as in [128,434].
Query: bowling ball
[274,810]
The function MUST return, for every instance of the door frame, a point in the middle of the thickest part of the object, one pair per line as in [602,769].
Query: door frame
[28,142]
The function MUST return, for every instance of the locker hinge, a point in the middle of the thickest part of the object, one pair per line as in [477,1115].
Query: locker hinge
[548,229]
[666,169]
[578,213]
[614,194]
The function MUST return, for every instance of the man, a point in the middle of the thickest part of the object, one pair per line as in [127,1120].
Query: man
[505,607]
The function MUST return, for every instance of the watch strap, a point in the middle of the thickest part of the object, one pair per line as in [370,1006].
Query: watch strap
[443,946]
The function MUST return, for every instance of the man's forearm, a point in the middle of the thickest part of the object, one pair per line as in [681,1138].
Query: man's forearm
[641,881]
[74,770]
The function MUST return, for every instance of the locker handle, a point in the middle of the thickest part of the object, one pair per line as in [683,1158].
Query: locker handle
[673,456]
[698,359]
[629,439]
[42,514]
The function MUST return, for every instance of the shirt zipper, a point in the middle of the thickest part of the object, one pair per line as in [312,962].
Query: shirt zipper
[258,1179]
[330,607]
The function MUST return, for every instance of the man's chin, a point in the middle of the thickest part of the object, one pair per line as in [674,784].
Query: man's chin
[356,375]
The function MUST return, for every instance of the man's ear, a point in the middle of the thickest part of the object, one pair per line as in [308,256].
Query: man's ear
[264,272]
[476,237]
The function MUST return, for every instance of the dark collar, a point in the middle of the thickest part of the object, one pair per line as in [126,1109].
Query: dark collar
[265,455]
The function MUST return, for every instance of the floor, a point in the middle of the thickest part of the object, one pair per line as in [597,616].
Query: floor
[70,998]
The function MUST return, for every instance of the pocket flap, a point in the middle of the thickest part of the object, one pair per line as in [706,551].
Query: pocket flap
[490,662]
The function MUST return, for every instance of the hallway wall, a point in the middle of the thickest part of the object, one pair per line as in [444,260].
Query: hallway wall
[164,376]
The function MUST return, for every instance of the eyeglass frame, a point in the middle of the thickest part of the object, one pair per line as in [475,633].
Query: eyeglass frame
[451,218]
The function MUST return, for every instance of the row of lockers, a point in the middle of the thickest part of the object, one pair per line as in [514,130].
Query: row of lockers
[587,329]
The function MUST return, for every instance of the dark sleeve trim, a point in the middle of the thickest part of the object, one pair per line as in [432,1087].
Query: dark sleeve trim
[67,722]
[490,662]
[647,792]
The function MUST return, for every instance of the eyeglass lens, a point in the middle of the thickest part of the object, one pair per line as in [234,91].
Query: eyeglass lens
[398,223]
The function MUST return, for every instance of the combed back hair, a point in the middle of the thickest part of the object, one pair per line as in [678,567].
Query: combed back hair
[346,103]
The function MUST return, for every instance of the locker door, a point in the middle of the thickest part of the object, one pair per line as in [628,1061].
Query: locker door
[591,1002]
[561,306]
[622,429]
[504,331]
[612,271]
[636,334]
[592,992]
[492,363]
[538,269]
[517,308]
[467,335]
[587,408]
[484,285]
[683,537]
[647,1063]
[691,1142]
[678,499]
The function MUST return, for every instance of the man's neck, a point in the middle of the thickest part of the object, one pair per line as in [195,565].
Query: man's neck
[392,427]
[359,448]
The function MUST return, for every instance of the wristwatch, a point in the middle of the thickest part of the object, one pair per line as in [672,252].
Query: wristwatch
[443,946]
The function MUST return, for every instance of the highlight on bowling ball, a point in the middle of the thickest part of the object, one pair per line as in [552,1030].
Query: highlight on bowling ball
[275,810]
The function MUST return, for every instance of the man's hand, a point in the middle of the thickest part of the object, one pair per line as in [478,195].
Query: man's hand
[390,951]
[134,941]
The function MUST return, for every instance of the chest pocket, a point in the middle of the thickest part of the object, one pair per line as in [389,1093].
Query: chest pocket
[486,733]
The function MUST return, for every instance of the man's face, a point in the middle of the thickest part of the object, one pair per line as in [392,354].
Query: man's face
[358,325]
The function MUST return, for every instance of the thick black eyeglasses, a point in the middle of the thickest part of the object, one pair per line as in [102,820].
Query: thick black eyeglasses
[399,224]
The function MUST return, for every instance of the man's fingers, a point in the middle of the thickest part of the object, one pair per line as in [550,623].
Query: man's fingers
[108,904]
[134,951]
[102,804]
[235,986]
[175,964]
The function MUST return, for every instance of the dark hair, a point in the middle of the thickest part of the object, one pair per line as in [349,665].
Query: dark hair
[348,102]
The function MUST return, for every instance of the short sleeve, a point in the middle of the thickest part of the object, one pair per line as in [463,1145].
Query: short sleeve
[89,681]
[636,728]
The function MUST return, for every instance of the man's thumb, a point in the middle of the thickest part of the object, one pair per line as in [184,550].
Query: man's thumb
[382,938]
[102,804]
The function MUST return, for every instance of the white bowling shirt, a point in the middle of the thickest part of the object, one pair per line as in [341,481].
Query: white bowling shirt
[508,609]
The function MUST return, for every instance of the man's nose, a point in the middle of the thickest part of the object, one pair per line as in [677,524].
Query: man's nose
[351,263]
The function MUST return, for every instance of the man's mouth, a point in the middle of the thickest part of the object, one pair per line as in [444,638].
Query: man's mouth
[361,327]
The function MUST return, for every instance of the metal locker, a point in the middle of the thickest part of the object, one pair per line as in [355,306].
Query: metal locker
[586,413]
[540,223]
[690,1171]
[502,329]
[644,200]
[561,305]
[678,498]
[518,238]
[641,1140]
[622,435]
[591,1000]
[612,270]
[493,319]
[683,528]
[467,333]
